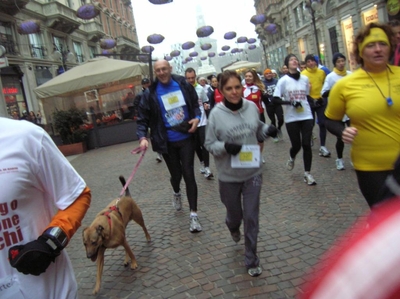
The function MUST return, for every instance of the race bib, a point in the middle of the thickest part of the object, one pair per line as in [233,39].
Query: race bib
[173,100]
[10,288]
[248,157]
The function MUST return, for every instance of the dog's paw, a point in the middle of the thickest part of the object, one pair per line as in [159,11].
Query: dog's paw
[134,265]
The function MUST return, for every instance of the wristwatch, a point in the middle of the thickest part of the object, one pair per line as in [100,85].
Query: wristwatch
[56,238]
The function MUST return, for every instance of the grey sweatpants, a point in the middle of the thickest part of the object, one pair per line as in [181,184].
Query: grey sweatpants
[231,196]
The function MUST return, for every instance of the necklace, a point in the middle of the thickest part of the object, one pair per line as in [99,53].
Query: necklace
[388,98]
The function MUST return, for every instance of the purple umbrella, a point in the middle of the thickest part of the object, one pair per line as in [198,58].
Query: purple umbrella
[206,46]
[143,58]
[258,19]
[252,47]
[167,58]
[187,45]
[147,49]
[193,54]
[175,53]
[160,1]
[251,40]
[107,43]
[87,11]
[221,53]
[230,35]
[203,57]
[241,39]
[155,38]
[188,59]
[28,27]
[211,54]
[234,50]
[225,48]
[204,31]
[271,28]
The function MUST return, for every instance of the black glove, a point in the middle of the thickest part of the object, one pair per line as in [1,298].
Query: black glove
[33,257]
[232,148]
[272,131]
[296,104]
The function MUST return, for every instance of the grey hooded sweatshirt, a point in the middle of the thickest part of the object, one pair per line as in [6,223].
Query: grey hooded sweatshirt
[240,127]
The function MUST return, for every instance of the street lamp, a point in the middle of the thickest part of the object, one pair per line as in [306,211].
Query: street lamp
[312,8]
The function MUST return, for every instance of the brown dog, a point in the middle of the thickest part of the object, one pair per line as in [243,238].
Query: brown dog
[108,231]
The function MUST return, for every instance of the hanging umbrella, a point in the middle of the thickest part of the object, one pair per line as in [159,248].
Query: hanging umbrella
[203,57]
[252,47]
[251,40]
[258,19]
[147,49]
[167,58]
[143,58]
[175,53]
[221,53]
[206,46]
[271,28]
[159,2]
[241,39]
[187,45]
[188,59]
[87,11]
[107,43]
[230,35]
[204,31]
[155,38]
[111,51]
[225,48]
[193,54]
[28,27]
[211,54]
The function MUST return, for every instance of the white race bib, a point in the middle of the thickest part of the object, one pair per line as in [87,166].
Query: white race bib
[10,288]
[173,100]
[248,157]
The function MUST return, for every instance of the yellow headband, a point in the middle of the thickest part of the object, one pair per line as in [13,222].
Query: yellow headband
[376,35]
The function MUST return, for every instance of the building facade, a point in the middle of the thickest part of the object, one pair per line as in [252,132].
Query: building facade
[321,27]
[63,41]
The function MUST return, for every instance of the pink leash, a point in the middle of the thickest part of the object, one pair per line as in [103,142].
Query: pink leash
[135,151]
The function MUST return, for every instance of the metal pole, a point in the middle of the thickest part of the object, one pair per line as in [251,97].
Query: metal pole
[316,34]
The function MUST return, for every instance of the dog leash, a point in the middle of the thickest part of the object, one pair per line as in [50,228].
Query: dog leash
[135,151]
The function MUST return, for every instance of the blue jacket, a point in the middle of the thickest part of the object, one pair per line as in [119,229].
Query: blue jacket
[149,113]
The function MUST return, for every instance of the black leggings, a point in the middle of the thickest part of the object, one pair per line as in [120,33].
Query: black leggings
[179,160]
[339,142]
[300,137]
[201,151]
[277,110]
[320,112]
[371,183]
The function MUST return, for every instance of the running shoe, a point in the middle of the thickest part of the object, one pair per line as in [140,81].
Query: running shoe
[202,168]
[177,201]
[309,179]
[290,164]
[236,236]
[280,135]
[323,152]
[254,272]
[339,164]
[208,174]
[276,139]
[159,158]
[195,226]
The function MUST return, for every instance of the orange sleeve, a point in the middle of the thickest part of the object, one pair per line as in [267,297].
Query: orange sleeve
[69,220]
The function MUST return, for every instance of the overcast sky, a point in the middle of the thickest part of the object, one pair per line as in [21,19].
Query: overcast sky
[177,21]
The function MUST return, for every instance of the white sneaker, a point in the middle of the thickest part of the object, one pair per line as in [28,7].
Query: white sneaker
[290,164]
[323,152]
[195,225]
[202,168]
[263,160]
[339,164]
[309,179]
[276,139]
[207,173]
[159,158]
[177,201]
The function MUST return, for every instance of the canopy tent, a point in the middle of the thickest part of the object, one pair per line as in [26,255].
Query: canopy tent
[240,66]
[103,74]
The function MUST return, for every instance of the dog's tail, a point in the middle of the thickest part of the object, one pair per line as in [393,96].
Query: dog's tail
[123,182]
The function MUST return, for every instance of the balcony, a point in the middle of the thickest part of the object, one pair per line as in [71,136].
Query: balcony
[94,30]
[273,12]
[60,17]
[12,7]
[38,51]
[11,47]
[125,45]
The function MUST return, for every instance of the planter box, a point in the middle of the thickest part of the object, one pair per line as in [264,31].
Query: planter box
[73,149]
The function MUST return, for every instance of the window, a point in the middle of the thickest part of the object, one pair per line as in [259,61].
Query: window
[78,52]
[6,38]
[297,16]
[334,40]
[37,49]
[83,2]
[92,51]
[59,43]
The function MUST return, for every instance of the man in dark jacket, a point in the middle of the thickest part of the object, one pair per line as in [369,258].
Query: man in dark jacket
[170,108]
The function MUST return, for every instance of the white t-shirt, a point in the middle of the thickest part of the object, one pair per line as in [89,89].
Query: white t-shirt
[294,90]
[35,180]
[202,99]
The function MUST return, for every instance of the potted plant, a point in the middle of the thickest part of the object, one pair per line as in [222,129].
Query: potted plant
[69,124]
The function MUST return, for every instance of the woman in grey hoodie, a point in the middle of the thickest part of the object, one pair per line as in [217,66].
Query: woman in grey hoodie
[232,136]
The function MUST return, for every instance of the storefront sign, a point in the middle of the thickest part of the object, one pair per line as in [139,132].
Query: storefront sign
[3,62]
[370,16]
[10,90]
[393,7]
[347,27]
